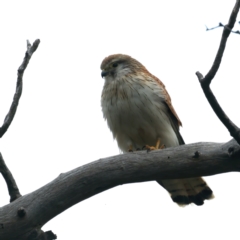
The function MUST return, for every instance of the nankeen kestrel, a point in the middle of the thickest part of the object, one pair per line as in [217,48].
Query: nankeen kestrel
[139,112]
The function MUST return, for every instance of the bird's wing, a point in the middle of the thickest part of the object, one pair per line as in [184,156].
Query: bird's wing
[173,117]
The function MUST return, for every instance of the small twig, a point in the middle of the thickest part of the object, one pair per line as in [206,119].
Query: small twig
[196,154]
[209,29]
[8,119]
[221,25]
[11,184]
[206,81]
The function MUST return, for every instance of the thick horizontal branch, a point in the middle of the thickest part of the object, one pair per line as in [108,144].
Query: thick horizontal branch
[29,213]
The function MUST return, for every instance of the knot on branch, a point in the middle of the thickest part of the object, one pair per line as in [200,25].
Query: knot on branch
[196,154]
[232,152]
[21,212]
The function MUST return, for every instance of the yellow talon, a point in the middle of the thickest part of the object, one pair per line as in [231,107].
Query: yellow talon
[149,148]
[158,146]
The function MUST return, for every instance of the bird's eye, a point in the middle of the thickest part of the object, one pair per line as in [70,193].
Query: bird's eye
[115,65]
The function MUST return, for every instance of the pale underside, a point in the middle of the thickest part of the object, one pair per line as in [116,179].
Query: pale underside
[136,113]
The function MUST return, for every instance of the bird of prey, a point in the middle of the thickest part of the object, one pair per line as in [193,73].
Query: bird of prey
[139,112]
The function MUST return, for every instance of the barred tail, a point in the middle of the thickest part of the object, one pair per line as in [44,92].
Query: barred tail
[187,190]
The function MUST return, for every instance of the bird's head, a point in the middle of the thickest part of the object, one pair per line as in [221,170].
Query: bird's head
[119,65]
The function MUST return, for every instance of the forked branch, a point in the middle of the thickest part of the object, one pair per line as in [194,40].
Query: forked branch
[206,81]
[7,175]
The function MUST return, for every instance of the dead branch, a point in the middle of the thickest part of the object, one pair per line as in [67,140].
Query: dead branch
[9,117]
[206,81]
[27,214]
[11,184]
[193,160]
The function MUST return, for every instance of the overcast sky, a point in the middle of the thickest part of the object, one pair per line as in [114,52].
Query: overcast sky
[59,124]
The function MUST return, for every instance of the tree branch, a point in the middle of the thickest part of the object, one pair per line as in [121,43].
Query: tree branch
[221,25]
[9,117]
[193,160]
[206,81]
[11,184]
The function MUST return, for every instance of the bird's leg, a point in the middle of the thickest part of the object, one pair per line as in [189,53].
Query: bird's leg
[157,146]
[157,143]
[130,148]
[162,146]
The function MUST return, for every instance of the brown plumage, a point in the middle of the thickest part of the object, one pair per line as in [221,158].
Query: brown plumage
[139,112]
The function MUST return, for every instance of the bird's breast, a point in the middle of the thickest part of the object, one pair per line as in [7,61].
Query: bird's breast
[135,111]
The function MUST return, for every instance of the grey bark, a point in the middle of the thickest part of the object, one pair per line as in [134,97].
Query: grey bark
[23,218]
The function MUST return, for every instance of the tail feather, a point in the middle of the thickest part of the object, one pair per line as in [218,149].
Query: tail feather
[188,190]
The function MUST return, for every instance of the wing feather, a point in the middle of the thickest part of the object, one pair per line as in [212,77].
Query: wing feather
[173,117]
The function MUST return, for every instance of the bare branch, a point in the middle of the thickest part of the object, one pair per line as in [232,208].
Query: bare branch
[206,81]
[193,160]
[11,184]
[8,119]
[226,32]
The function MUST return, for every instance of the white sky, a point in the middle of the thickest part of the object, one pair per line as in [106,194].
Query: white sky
[59,124]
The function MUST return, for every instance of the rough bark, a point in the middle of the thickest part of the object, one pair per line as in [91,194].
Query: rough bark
[23,218]
[29,213]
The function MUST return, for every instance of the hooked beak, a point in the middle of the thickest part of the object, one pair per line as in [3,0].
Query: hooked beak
[104,74]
